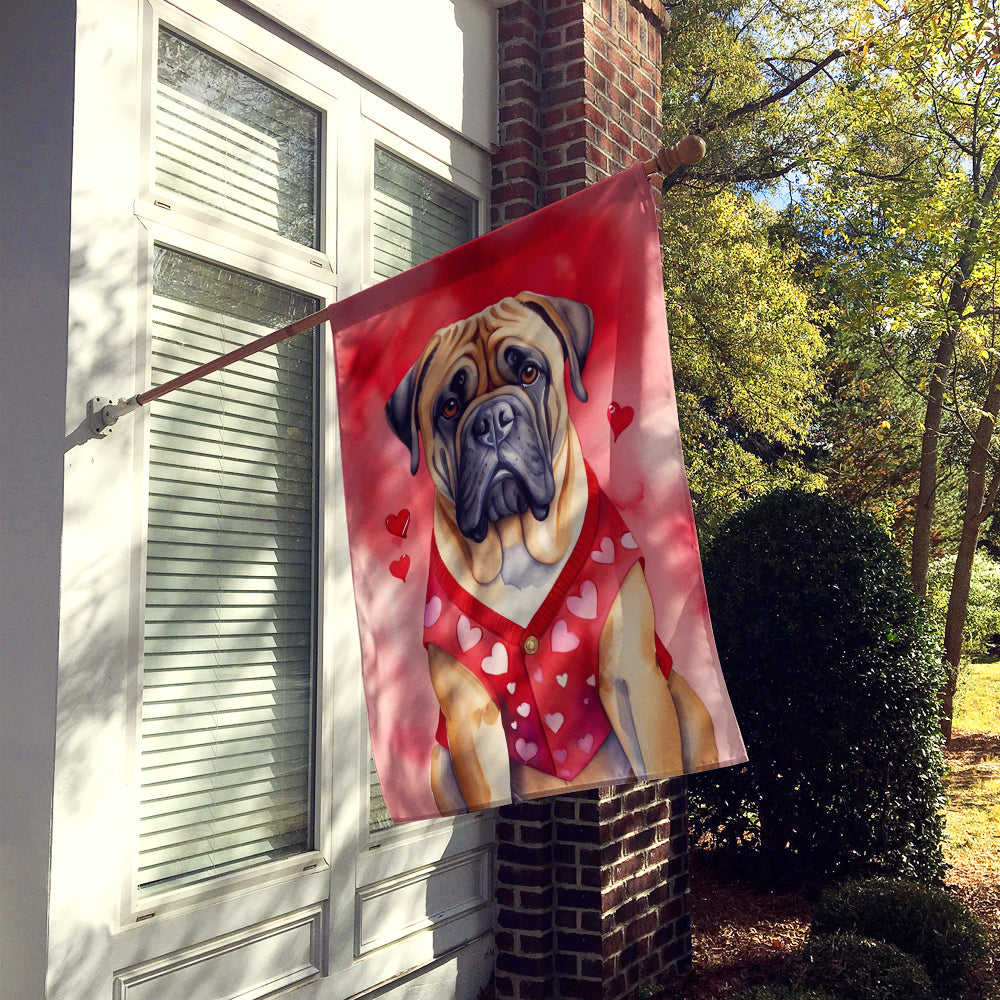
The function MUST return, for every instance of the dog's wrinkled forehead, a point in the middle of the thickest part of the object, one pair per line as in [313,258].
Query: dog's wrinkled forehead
[564,326]
[477,337]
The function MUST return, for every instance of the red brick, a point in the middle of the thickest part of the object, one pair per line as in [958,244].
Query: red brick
[519,111]
[562,53]
[521,130]
[518,49]
[581,989]
[571,14]
[567,174]
[521,91]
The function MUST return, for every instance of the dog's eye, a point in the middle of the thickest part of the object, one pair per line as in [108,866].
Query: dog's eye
[528,374]
[450,408]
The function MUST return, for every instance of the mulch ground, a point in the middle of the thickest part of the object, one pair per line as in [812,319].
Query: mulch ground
[742,935]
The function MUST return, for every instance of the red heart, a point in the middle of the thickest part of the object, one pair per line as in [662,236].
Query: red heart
[619,417]
[400,567]
[396,524]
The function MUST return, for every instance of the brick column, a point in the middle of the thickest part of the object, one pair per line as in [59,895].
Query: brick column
[579,96]
[591,888]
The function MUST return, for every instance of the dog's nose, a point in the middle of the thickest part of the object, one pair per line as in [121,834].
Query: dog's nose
[493,423]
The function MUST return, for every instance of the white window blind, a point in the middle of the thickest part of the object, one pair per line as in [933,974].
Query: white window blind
[228,140]
[228,660]
[416,216]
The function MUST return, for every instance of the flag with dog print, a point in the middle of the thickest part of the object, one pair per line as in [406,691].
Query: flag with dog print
[525,568]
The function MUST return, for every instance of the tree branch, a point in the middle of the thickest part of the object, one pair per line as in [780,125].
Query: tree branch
[754,106]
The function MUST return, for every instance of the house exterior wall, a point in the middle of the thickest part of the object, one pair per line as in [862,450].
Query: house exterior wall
[407,912]
[36,116]
[582,880]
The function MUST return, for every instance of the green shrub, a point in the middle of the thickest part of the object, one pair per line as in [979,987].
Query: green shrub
[833,673]
[925,922]
[856,968]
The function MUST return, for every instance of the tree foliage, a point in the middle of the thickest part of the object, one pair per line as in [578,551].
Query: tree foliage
[746,346]
[747,357]
[875,126]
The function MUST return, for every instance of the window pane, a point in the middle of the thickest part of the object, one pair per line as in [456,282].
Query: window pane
[228,658]
[416,217]
[228,140]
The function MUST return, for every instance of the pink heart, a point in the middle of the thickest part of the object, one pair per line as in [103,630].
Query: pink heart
[584,606]
[400,567]
[525,749]
[396,524]
[619,417]
[562,680]
[628,541]
[554,721]
[497,663]
[592,680]
[538,675]
[566,773]
[432,612]
[560,756]
[606,553]
[523,709]
[469,635]
[511,687]
[585,743]
[563,641]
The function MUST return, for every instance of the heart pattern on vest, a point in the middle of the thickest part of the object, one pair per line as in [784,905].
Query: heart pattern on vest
[469,635]
[496,663]
[584,605]
[563,641]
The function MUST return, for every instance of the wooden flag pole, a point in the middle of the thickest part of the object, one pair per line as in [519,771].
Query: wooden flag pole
[103,413]
[688,151]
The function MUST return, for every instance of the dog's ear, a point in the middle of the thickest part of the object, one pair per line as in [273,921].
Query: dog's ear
[573,323]
[401,411]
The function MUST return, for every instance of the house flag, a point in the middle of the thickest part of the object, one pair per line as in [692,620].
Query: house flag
[526,572]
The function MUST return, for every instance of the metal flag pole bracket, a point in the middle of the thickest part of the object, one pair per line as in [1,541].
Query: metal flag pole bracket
[103,413]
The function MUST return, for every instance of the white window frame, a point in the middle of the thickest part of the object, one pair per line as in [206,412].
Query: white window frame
[180,224]
[351,873]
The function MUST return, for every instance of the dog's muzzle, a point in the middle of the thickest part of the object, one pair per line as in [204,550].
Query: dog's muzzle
[504,464]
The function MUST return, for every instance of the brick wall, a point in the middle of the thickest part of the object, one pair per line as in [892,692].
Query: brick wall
[591,893]
[579,96]
[591,888]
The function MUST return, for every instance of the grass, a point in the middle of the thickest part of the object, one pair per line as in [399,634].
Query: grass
[973,785]
[972,848]
[978,698]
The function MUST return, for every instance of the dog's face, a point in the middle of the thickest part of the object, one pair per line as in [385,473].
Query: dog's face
[488,399]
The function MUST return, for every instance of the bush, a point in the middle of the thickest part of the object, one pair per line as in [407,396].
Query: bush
[833,673]
[925,922]
[856,968]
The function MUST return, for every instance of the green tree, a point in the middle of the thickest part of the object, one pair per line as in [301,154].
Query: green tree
[911,189]
[747,358]
[747,354]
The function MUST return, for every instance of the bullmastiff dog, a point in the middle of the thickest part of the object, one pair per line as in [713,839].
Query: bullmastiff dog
[538,622]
